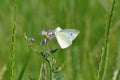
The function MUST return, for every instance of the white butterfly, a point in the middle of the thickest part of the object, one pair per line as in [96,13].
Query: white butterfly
[65,36]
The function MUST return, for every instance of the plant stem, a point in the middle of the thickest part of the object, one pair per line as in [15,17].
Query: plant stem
[40,76]
[13,38]
[107,41]
[50,67]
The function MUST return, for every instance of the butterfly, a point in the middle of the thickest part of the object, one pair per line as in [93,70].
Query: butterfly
[65,36]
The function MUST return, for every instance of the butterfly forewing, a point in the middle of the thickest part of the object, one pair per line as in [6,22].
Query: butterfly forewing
[71,33]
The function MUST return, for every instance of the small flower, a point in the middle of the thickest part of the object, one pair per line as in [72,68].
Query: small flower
[43,32]
[50,34]
[50,37]
[43,42]
[51,31]
[47,51]
[31,40]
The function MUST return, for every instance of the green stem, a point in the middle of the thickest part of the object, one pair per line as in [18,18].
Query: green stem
[107,41]
[13,37]
[100,64]
[40,76]
[50,67]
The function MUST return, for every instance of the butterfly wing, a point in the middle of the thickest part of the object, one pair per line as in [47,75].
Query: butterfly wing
[71,33]
[63,39]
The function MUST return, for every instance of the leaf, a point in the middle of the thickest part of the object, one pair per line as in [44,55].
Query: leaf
[41,53]
[58,76]
[53,51]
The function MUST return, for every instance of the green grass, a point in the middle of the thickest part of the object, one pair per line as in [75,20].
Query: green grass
[81,60]
[13,42]
[105,52]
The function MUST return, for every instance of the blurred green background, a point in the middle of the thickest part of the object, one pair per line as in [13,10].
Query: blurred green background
[81,60]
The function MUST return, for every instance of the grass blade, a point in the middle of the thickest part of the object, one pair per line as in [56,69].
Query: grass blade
[21,73]
[104,56]
[105,53]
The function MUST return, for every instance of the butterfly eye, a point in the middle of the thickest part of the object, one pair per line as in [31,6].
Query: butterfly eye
[71,34]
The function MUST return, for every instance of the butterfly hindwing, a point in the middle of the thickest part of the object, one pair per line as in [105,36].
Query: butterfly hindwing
[63,39]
